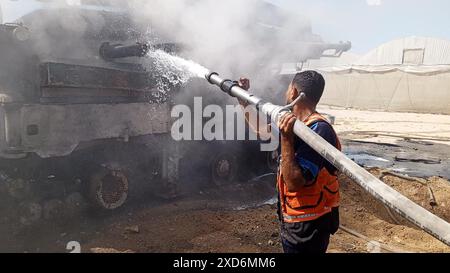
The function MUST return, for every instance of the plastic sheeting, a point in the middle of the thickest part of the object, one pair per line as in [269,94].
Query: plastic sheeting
[423,69]
[394,90]
[410,74]
[434,52]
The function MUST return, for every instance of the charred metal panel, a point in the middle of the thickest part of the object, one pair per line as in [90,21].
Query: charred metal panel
[12,121]
[18,66]
[61,128]
[10,131]
[2,130]
[68,80]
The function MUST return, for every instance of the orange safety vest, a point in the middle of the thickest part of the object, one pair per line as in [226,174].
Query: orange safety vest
[313,201]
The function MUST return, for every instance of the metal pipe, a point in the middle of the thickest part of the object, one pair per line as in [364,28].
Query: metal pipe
[110,52]
[232,88]
[417,215]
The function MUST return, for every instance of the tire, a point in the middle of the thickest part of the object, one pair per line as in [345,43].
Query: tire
[224,169]
[108,189]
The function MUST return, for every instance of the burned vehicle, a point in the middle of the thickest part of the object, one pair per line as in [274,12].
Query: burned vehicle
[80,115]
[84,123]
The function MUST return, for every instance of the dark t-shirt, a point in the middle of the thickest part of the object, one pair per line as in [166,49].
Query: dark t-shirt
[309,160]
[311,163]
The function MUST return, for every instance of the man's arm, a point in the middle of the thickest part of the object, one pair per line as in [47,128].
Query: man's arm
[291,171]
[265,133]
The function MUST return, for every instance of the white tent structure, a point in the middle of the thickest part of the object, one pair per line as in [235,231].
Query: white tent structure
[410,74]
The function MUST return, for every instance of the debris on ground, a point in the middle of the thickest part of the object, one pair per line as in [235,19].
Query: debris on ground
[132,229]
[108,251]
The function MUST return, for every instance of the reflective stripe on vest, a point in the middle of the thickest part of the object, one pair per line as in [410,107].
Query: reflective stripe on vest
[290,218]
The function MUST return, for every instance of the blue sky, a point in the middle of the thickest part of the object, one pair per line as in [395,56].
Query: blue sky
[368,23]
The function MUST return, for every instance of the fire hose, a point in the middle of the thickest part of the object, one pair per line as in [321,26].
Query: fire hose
[394,200]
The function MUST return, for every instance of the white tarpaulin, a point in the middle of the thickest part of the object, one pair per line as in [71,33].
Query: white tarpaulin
[424,69]
[411,74]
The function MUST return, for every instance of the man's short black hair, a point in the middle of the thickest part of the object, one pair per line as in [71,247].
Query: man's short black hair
[311,83]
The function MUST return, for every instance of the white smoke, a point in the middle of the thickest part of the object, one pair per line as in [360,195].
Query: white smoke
[234,37]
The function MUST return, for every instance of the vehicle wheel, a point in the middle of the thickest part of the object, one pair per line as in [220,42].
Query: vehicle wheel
[224,169]
[108,189]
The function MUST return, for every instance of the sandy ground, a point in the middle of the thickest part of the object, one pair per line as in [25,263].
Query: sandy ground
[235,219]
[434,128]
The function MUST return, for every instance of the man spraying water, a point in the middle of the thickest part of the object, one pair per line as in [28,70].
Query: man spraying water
[307,184]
